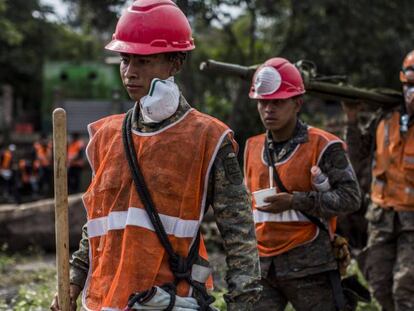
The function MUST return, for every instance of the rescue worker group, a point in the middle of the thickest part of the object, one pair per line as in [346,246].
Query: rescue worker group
[26,174]
[159,167]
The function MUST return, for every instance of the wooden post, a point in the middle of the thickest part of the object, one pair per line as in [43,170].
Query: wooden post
[61,207]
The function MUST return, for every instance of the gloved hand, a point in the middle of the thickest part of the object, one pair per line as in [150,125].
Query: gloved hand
[341,253]
[158,299]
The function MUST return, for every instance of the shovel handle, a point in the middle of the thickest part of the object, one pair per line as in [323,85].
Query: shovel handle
[61,207]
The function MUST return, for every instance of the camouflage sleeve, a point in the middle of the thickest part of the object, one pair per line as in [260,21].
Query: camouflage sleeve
[233,214]
[79,264]
[344,195]
[359,141]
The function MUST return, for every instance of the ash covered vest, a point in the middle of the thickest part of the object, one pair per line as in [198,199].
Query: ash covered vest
[393,166]
[278,233]
[125,253]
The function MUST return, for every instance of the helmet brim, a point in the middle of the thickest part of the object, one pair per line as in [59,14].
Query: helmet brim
[144,49]
[280,94]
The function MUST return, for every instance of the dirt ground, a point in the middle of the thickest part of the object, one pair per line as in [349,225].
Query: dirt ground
[28,280]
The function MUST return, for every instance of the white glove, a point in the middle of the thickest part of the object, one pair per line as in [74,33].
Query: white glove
[161,300]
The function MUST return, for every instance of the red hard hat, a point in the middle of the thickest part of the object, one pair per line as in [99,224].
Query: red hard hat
[407,72]
[277,78]
[152,27]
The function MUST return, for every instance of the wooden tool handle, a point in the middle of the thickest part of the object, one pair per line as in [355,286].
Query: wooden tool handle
[61,207]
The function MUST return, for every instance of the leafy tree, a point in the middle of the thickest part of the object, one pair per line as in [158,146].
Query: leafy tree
[29,39]
[94,17]
[364,40]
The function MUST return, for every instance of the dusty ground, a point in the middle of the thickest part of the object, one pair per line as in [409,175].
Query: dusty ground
[28,280]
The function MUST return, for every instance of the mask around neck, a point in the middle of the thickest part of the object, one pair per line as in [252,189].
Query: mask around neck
[161,102]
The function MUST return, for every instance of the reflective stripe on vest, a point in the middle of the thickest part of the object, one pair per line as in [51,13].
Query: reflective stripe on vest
[278,233]
[393,166]
[286,216]
[180,228]
[125,253]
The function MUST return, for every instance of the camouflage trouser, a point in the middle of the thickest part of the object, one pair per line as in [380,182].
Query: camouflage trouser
[311,293]
[389,258]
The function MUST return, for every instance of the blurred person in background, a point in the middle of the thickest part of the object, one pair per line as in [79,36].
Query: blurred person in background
[387,261]
[76,162]
[7,176]
[24,180]
[43,160]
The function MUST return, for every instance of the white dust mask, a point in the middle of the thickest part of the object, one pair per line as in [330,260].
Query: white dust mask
[267,81]
[409,93]
[161,102]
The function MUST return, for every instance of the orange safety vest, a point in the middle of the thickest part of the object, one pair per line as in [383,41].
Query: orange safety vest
[24,173]
[278,233]
[6,160]
[43,153]
[74,149]
[125,253]
[393,168]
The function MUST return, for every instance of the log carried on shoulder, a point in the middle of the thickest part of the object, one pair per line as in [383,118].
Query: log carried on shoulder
[326,87]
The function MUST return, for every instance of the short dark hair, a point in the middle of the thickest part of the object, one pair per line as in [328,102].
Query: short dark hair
[180,56]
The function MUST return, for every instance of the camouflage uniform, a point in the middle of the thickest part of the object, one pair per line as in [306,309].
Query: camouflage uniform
[387,261]
[231,204]
[354,226]
[300,276]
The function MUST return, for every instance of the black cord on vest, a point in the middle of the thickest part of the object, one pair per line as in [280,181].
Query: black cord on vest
[140,185]
[282,188]
[334,276]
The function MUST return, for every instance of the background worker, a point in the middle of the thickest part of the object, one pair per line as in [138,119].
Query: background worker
[76,162]
[7,175]
[387,261]
[296,255]
[26,180]
[43,157]
[188,160]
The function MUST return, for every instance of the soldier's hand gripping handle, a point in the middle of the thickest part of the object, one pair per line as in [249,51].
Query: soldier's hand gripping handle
[74,293]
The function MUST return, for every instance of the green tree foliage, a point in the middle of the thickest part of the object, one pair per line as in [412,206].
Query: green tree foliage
[238,38]
[9,34]
[97,17]
[27,39]
[364,40]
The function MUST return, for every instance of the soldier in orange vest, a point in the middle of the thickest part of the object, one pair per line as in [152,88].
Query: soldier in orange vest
[389,142]
[156,170]
[25,180]
[43,156]
[6,171]
[76,162]
[307,180]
